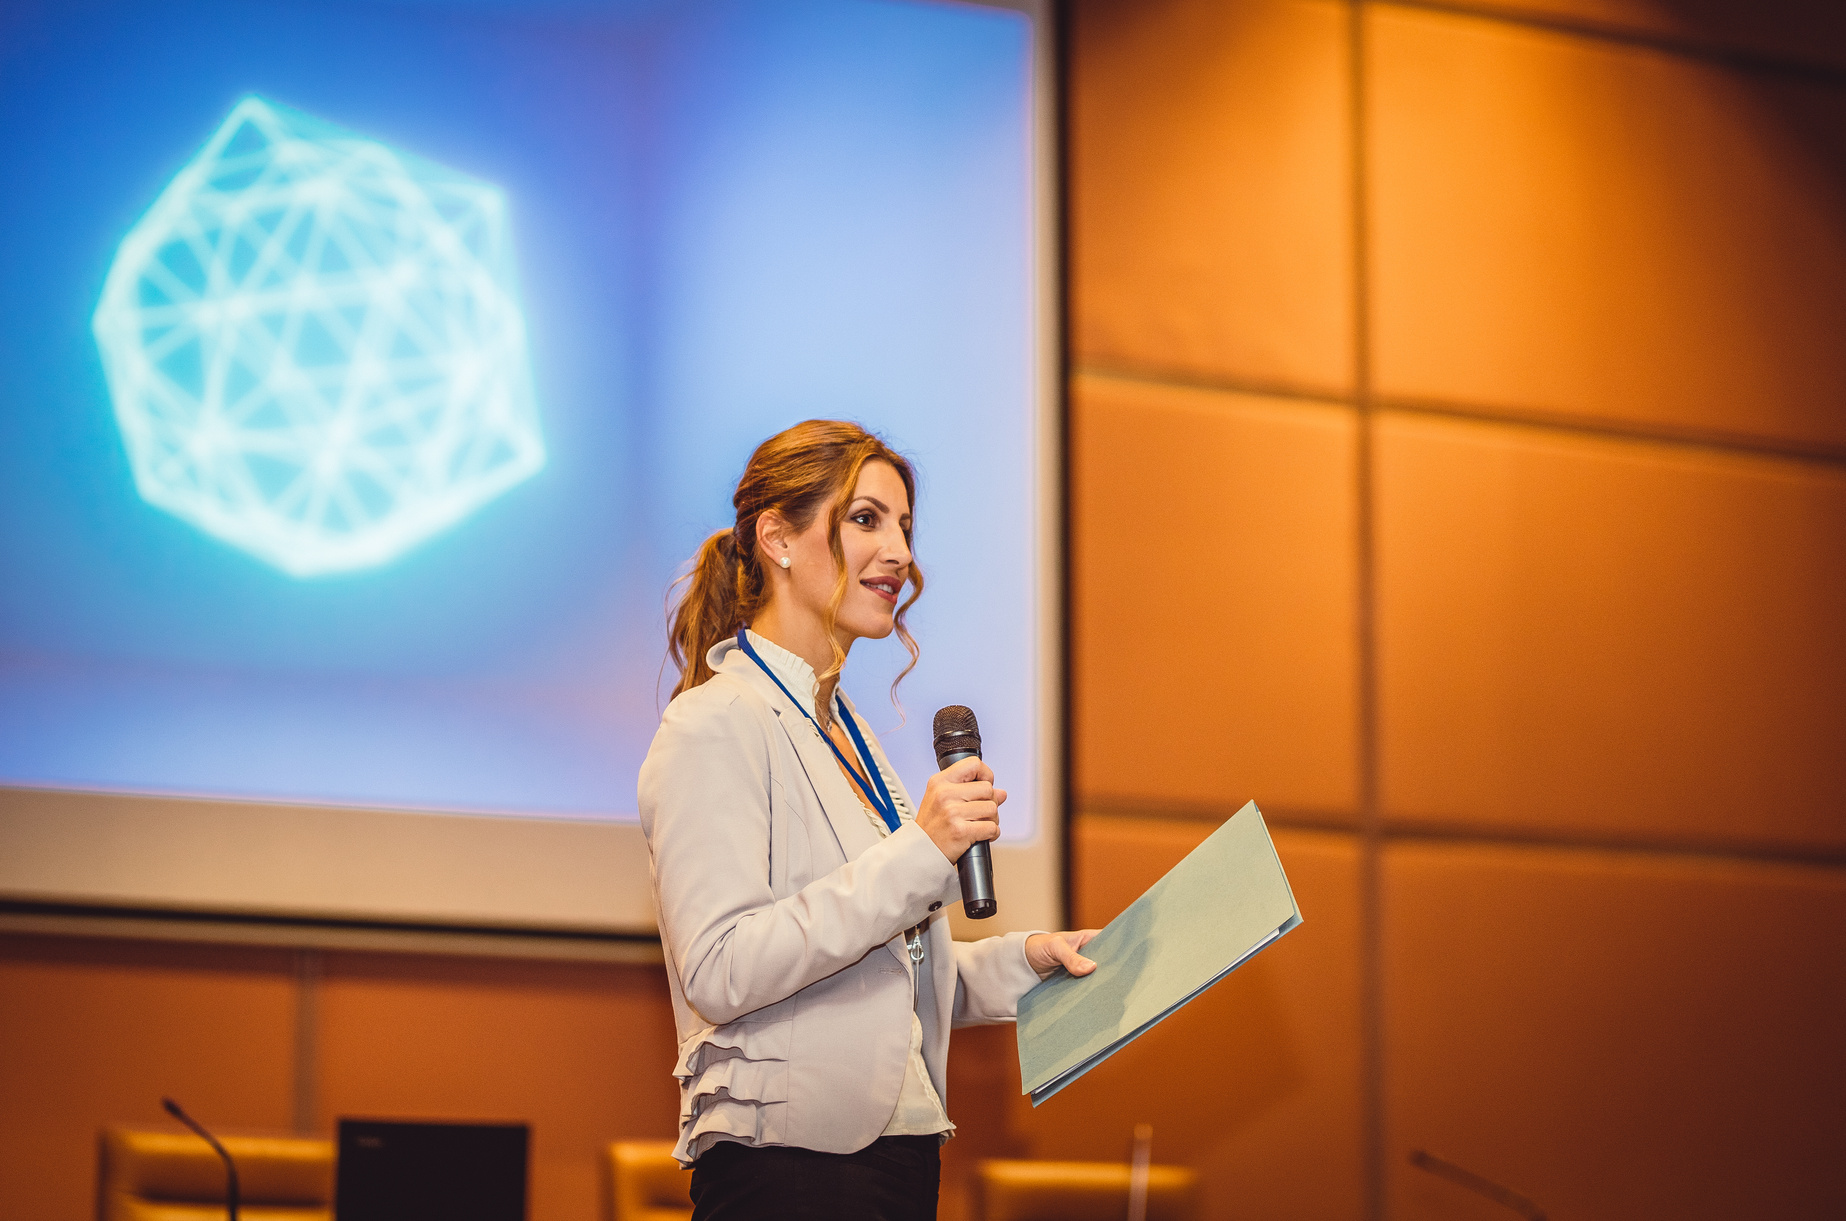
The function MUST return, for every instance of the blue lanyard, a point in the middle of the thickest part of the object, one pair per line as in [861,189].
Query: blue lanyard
[880,796]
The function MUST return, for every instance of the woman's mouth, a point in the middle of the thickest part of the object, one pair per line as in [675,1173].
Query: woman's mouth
[885,587]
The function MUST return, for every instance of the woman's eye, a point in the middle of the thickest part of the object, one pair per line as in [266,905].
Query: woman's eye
[863,519]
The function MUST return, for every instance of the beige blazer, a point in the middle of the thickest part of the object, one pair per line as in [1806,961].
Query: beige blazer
[782,913]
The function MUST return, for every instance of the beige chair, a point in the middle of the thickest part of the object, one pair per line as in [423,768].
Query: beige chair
[161,1174]
[646,1183]
[1079,1191]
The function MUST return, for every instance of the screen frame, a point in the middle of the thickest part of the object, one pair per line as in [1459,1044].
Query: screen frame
[209,869]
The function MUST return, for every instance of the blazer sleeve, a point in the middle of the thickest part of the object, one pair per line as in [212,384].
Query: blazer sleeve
[990,976]
[706,796]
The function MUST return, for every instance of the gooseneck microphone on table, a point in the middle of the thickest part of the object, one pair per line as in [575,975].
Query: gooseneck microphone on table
[958,737]
[230,1167]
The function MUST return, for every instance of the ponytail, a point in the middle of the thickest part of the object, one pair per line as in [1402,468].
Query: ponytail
[796,473]
[723,591]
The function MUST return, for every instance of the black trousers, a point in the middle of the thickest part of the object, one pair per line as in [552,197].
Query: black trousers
[895,1178]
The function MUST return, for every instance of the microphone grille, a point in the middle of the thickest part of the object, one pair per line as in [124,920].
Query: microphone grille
[956,731]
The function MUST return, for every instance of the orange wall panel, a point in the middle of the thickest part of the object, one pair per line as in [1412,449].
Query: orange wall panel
[1209,187]
[97,1031]
[1213,600]
[1256,1083]
[584,1053]
[1610,638]
[1616,1035]
[1804,31]
[1604,232]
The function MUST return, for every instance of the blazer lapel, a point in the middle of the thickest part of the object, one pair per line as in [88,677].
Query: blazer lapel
[845,812]
[850,820]
[851,824]
[897,945]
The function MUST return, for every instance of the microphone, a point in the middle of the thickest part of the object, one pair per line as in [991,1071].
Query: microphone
[958,737]
[230,1167]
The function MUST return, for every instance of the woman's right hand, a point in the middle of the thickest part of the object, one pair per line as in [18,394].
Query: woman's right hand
[961,807]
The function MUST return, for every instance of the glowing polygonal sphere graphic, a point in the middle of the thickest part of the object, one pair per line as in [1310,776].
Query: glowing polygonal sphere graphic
[314,345]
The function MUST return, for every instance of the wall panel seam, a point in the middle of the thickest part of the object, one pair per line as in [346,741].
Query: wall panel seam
[1372,1049]
[1214,813]
[1063,22]
[1180,380]
[1408,832]
[306,1101]
[1398,830]
[1718,54]
[1702,440]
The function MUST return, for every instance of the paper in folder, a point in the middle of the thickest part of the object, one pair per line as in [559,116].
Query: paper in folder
[1228,899]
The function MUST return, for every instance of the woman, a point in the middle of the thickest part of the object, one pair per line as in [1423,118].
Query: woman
[800,893]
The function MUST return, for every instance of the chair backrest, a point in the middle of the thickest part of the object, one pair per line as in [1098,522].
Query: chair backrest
[646,1182]
[159,1174]
[1079,1191]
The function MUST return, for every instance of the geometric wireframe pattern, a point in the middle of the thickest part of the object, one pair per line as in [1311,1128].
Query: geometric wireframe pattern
[314,345]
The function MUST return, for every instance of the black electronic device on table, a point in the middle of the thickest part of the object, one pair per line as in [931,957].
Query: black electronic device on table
[391,1170]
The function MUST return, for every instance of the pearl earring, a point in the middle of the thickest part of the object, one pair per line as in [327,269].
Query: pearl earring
[784,561]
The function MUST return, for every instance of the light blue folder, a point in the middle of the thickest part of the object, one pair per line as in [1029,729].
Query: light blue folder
[1212,912]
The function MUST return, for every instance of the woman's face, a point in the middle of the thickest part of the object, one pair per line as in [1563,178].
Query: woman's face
[873,538]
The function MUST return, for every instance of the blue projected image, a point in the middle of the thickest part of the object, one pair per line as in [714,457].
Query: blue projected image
[315,346]
[278,519]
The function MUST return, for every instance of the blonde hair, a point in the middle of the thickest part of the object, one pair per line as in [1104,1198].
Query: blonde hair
[795,474]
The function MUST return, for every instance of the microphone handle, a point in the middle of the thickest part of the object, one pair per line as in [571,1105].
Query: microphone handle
[976,866]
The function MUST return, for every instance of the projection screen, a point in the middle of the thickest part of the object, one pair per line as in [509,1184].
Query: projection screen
[371,369]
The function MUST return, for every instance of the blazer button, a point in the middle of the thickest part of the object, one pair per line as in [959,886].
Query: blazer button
[934,906]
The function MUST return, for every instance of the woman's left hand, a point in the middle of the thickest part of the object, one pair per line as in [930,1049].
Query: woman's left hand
[1045,952]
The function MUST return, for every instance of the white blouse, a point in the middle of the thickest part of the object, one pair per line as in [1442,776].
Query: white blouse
[919,1108]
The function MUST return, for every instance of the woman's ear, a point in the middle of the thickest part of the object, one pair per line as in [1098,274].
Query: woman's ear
[771,533]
